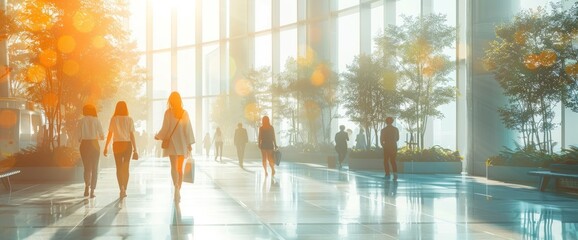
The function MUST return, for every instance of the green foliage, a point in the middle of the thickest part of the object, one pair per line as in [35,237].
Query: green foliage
[415,51]
[526,157]
[369,94]
[371,153]
[433,154]
[534,61]
[306,95]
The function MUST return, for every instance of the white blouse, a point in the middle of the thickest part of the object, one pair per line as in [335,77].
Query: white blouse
[89,128]
[182,137]
[121,128]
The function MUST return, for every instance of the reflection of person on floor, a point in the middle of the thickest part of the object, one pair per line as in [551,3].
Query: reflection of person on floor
[89,132]
[178,129]
[341,139]
[121,130]
[240,140]
[389,137]
[267,143]
[207,143]
[218,140]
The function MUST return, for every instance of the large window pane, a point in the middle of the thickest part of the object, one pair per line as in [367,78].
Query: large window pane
[376,23]
[288,12]
[263,51]
[161,25]
[210,20]
[211,73]
[407,8]
[262,14]
[185,22]
[341,4]
[186,72]
[137,23]
[161,75]
[348,40]
[288,43]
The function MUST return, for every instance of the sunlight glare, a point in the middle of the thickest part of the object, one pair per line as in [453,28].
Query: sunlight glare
[243,87]
[66,44]
[48,58]
[36,74]
[83,21]
[70,67]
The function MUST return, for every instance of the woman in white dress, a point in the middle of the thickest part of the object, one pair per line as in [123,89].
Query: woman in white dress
[89,132]
[178,129]
[121,130]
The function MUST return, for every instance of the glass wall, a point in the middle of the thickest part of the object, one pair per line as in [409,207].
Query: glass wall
[188,50]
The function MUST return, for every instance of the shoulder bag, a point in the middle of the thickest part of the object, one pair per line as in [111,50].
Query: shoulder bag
[167,140]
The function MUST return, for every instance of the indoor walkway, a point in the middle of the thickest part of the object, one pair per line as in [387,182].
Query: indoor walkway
[300,202]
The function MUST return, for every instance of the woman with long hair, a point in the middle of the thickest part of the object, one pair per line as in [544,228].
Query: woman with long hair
[177,129]
[121,131]
[89,132]
[267,144]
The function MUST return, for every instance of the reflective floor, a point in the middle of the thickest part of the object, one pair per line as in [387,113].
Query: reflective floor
[299,202]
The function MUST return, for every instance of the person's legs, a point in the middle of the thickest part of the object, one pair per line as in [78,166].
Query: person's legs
[264,160]
[220,151]
[177,174]
[119,167]
[242,154]
[85,155]
[386,157]
[94,160]
[393,163]
[271,161]
[126,165]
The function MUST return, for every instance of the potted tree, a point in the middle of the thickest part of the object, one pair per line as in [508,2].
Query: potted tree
[534,60]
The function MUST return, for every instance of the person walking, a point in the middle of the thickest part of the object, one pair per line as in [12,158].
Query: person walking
[89,133]
[177,129]
[389,137]
[218,140]
[207,143]
[341,139]
[360,142]
[121,131]
[241,140]
[267,143]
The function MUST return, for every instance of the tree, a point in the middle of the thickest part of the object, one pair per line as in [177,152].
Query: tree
[308,87]
[415,50]
[534,61]
[64,59]
[370,94]
[255,93]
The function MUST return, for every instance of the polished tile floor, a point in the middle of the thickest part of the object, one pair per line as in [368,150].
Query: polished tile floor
[300,202]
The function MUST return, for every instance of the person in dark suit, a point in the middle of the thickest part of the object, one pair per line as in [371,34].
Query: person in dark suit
[389,137]
[341,139]
[241,140]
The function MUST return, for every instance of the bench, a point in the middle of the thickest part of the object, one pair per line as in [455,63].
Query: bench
[5,176]
[557,172]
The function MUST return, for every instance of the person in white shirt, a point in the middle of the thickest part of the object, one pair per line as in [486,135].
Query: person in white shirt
[121,130]
[89,132]
[178,130]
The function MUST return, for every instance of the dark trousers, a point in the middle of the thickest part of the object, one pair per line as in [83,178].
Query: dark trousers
[240,153]
[389,158]
[341,152]
[219,150]
[122,155]
[90,154]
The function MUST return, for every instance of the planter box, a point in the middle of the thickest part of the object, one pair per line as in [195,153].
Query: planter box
[407,167]
[512,174]
[431,167]
[49,174]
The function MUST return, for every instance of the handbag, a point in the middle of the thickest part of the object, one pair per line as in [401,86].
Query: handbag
[189,173]
[277,155]
[166,141]
[134,156]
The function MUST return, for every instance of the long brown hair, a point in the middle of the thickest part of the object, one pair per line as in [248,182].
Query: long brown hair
[175,103]
[121,109]
[266,122]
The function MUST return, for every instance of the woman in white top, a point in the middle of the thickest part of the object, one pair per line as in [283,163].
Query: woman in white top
[121,130]
[218,139]
[178,129]
[89,132]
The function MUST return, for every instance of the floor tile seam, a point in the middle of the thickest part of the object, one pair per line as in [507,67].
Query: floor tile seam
[244,206]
